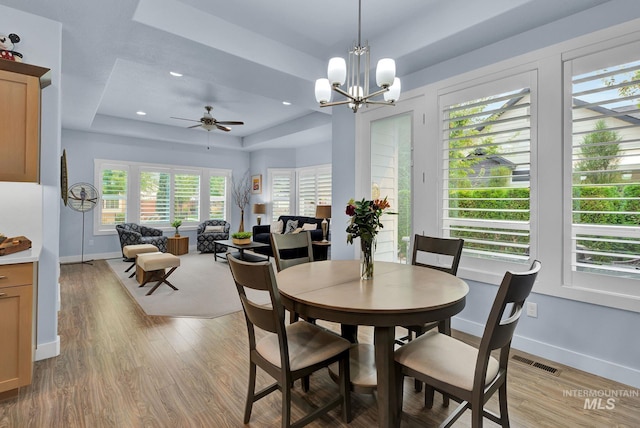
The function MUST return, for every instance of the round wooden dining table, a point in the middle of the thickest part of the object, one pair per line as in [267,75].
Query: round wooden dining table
[398,295]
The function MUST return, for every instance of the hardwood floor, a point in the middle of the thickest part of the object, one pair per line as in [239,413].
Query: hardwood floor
[121,368]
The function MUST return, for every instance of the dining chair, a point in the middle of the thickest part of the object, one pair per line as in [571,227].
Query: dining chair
[467,374]
[436,253]
[287,352]
[290,249]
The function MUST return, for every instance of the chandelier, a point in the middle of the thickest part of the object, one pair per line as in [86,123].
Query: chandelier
[357,87]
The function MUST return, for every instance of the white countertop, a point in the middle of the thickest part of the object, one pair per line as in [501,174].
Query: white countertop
[26,256]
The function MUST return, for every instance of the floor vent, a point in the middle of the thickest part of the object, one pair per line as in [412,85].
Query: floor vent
[548,369]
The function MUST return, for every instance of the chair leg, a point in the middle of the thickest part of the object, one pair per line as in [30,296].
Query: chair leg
[504,409]
[286,406]
[399,392]
[250,392]
[429,393]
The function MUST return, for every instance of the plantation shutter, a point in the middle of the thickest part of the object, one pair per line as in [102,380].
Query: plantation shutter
[281,192]
[487,163]
[186,200]
[217,197]
[605,156]
[155,196]
[314,188]
[113,191]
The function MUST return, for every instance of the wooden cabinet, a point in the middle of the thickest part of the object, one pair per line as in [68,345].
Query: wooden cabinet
[20,86]
[16,326]
[178,245]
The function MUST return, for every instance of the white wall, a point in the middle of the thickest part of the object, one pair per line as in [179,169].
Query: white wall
[41,41]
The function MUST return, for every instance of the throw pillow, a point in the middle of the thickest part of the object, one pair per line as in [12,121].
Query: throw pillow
[291,226]
[298,230]
[276,226]
[208,229]
[309,226]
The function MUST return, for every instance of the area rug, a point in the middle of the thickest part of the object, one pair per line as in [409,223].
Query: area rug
[205,288]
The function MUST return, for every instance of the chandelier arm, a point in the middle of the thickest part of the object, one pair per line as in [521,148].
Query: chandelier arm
[386,103]
[339,90]
[335,103]
[381,91]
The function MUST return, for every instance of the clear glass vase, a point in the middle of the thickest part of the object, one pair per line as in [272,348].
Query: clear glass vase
[366,258]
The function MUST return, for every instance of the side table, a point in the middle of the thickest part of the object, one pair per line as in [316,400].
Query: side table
[178,245]
[321,250]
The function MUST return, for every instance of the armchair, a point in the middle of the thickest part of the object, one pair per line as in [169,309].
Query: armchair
[132,234]
[205,238]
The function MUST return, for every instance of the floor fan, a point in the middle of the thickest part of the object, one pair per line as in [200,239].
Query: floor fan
[82,197]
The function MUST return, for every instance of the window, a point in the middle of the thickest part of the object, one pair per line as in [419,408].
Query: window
[314,188]
[113,191]
[156,195]
[281,188]
[604,136]
[186,201]
[487,161]
[217,196]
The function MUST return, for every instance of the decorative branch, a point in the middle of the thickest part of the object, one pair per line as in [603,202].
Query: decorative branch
[241,190]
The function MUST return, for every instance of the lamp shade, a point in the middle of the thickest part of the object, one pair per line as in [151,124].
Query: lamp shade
[385,72]
[323,91]
[337,71]
[393,94]
[323,211]
[259,208]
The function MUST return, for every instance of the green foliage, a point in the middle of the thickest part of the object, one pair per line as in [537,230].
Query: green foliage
[176,224]
[597,205]
[241,235]
[599,158]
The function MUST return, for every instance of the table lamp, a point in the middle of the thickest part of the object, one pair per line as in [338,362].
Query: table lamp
[324,212]
[259,209]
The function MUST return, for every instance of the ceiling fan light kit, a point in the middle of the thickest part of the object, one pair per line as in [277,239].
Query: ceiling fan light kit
[340,73]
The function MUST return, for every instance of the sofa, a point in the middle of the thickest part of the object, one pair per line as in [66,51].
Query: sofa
[206,237]
[133,233]
[262,233]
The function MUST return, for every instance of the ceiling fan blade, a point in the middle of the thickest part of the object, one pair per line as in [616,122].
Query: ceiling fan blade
[223,128]
[194,126]
[229,122]
[181,118]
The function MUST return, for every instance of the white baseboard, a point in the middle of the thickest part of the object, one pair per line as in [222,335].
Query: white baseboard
[607,369]
[89,257]
[48,350]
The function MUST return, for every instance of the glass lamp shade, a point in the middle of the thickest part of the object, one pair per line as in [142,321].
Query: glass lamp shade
[337,71]
[323,91]
[393,94]
[385,72]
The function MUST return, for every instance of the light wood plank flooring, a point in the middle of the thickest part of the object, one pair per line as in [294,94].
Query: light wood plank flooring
[121,368]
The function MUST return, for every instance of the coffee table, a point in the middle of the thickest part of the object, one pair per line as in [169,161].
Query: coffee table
[240,254]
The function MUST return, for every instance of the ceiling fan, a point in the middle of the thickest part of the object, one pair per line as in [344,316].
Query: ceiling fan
[209,122]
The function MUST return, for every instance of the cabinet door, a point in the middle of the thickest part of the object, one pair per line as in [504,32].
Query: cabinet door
[16,363]
[19,127]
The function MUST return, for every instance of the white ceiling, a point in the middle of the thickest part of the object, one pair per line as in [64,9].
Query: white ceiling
[245,57]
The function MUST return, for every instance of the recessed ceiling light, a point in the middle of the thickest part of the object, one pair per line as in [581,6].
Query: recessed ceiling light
[175,74]
[287,103]
[141,113]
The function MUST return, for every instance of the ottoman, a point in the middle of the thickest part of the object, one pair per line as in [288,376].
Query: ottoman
[132,251]
[153,266]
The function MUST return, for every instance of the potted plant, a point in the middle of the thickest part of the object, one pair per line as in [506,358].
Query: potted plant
[177,224]
[241,238]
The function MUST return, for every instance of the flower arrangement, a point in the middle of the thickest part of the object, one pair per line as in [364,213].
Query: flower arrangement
[365,223]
